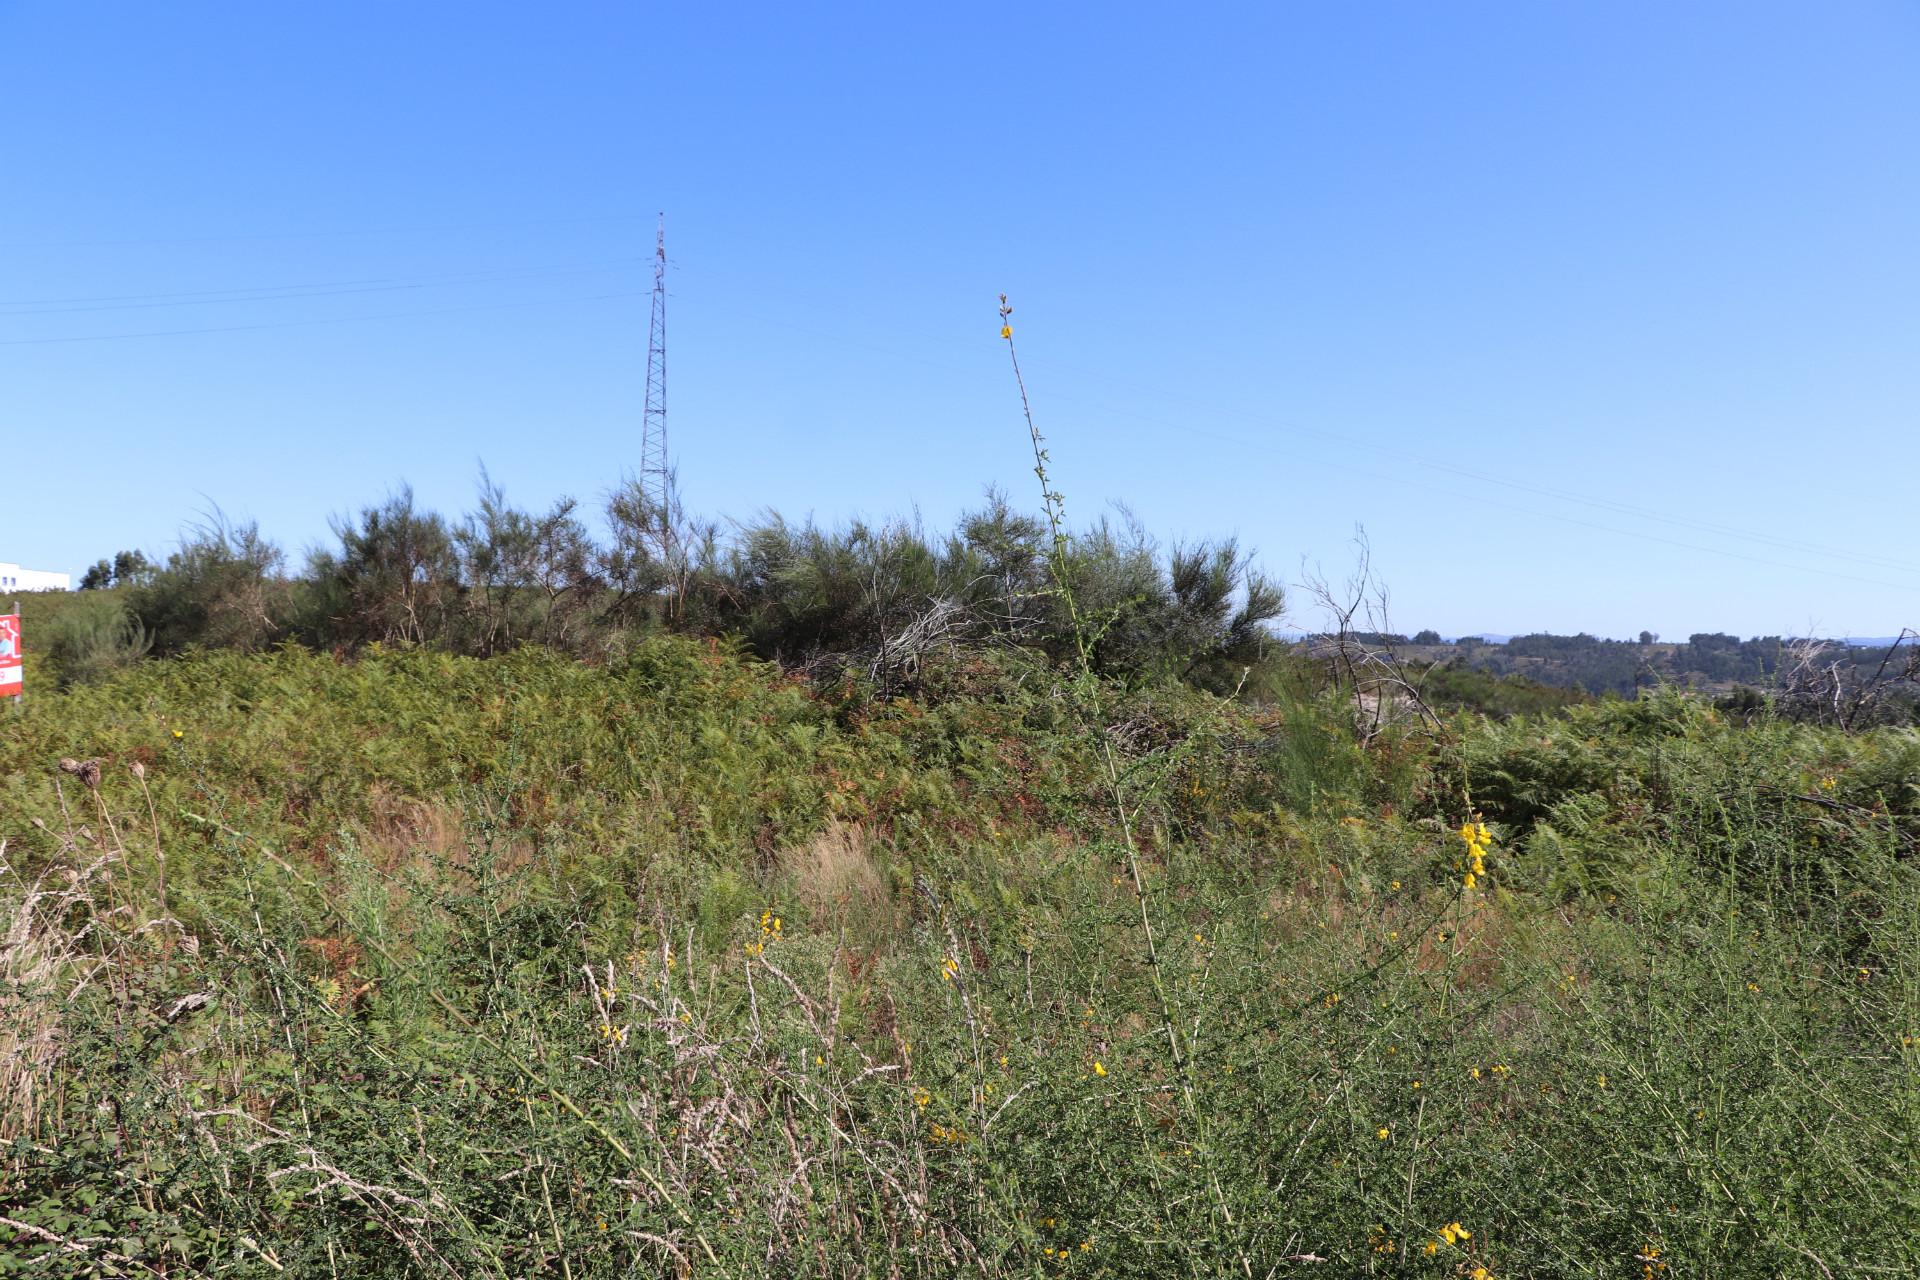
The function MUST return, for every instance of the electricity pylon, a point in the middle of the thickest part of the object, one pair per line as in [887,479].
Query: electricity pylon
[655,482]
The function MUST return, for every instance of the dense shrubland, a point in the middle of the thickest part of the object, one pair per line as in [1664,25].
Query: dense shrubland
[869,597]
[489,899]
[413,962]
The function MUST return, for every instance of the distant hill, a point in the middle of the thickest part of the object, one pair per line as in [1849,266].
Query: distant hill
[1712,662]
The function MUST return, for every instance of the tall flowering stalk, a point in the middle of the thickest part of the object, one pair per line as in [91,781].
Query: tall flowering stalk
[1090,696]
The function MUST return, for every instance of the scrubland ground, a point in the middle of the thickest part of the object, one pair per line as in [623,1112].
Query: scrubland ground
[424,965]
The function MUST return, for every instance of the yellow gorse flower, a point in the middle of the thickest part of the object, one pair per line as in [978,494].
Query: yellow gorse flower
[1474,836]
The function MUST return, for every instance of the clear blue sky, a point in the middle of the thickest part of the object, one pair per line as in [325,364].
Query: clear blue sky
[1598,317]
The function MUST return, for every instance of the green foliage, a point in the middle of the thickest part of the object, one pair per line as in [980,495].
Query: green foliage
[1458,687]
[875,601]
[220,588]
[676,965]
[1738,670]
[91,637]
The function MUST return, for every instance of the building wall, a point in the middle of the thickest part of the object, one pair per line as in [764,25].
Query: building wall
[14,578]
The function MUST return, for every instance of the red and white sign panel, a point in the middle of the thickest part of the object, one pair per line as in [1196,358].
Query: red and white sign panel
[10,679]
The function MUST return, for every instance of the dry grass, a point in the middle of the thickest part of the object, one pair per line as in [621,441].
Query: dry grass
[48,955]
[835,875]
[399,828]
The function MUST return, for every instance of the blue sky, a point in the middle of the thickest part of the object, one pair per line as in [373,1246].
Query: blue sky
[1597,317]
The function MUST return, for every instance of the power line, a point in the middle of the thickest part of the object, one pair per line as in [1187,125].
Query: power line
[341,233]
[1563,495]
[1867,559]
[1592,524]
[295,324]
[312,289]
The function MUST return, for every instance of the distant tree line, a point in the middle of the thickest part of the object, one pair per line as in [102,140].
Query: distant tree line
[1715,662]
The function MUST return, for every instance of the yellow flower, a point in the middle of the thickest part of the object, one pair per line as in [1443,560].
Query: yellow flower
[1603,1079]
[1479,1273]
[1098,1069]
[1006,331]
[1475,1073]
[1383,1133]
[178,734]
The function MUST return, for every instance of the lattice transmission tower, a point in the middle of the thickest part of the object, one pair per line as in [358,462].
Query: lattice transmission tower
[655,482]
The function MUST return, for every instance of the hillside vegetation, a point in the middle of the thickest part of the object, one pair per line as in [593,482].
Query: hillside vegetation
[414,962]
[1711,662]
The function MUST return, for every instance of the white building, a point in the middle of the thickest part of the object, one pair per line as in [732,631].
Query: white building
[14,578]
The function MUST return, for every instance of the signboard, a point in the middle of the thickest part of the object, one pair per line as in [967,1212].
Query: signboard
[10,678]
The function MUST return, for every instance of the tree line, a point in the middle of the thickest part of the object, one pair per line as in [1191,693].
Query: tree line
[873,598]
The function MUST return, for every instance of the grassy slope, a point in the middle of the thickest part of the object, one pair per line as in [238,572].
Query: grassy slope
[522,967]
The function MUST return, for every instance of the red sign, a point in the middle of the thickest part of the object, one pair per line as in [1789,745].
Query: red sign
[10,679]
